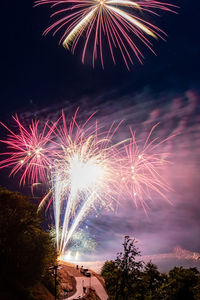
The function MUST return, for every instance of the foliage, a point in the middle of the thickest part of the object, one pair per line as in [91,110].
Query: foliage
[122,276]
[111,276]
[128,268]
[196,289]
[25,249]
[127,278]
[152,281]
[181,283]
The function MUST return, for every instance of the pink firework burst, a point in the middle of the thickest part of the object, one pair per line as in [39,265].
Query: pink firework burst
[28,152]
[113,23]
[143,167]
[84,169]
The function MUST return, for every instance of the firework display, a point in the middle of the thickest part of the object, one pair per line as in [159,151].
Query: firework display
[106,23]
[84,169]
[29,151]
[142,169]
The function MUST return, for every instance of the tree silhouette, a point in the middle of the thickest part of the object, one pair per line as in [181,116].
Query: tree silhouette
[128,278]
[123,275]
[25,249]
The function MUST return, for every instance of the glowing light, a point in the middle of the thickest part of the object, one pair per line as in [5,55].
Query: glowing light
[77,29]
[67,256]
[111,23]
[25,151]
[77,256]
[83,177]
[143,178]
[85,174]
[84,170]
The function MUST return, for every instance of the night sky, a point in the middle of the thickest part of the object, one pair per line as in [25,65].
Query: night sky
[39,78]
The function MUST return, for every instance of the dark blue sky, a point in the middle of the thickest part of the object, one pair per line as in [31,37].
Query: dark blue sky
[37,72]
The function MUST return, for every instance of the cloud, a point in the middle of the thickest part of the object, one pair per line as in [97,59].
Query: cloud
[178,257]
[165,261]
[166,224]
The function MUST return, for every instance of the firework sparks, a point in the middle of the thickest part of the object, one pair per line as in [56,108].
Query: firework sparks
[82,242]
[115,20]
[142,169]
[29,151]
[84,175]
[83,169]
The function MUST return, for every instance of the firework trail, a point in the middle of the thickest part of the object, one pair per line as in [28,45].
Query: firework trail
[85,174]
[28,151]
[84,169]
[111,23]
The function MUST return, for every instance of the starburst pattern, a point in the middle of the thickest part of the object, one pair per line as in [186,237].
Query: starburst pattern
[106,23]
[29,151]
[84,169]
